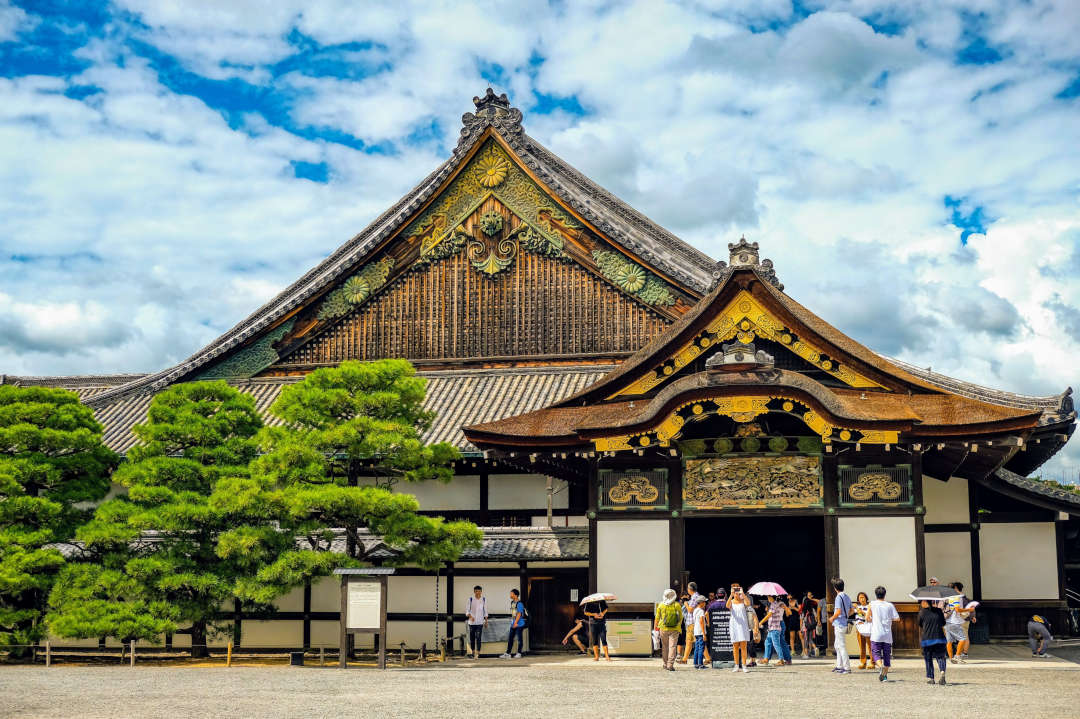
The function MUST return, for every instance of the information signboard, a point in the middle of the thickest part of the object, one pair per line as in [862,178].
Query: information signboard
[720,649]
[364,605]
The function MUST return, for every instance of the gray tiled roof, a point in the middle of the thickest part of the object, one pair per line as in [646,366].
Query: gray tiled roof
[508,544]
[458,398]
[1044,489]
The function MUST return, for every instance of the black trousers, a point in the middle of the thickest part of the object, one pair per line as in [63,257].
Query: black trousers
[476,631]
[520,633]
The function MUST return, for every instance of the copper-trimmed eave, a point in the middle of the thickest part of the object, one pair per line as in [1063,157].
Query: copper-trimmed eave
[573,426]
[799,319]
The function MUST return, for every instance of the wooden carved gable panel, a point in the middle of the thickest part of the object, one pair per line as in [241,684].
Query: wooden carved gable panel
[538,305]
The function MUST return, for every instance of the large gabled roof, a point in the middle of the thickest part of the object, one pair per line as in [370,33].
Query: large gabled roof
[639,236]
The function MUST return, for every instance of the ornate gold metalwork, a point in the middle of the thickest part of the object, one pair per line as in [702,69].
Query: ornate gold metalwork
[867,485]
[356,290]
[633,279]
[490,173]
[498,258]
[631,487]
[747,482]
[744,318]
[742,409]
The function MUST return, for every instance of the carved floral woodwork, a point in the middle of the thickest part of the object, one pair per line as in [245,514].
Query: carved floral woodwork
[249,360]
[746,482]
[356,290]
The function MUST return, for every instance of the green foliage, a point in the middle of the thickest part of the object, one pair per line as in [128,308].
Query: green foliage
[51,459]
[350,434]
[152,562]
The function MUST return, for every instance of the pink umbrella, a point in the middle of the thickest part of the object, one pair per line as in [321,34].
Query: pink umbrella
[767,589]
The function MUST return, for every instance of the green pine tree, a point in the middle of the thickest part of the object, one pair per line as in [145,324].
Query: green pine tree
[51,461]
[152,562]
[349,434]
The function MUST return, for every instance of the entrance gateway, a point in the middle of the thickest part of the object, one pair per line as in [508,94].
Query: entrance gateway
[753,441]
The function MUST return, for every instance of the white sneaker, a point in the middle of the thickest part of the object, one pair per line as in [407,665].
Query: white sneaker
[745,670]
[504,655]
[517,656]
[735,669]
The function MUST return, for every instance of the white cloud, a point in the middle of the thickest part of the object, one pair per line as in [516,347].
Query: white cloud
[831,144]
[14,20]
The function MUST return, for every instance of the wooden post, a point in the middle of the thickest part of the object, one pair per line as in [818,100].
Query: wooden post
[322,656]
[132,652]
[403,654]
[228,655]
[48,653]
[343,637]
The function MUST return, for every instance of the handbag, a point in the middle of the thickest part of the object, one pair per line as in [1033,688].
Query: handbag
[655,639]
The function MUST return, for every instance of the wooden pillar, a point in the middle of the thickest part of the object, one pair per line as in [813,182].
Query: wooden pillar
[450,604]
[237,621]
[1059,530]
[485,514]
[307,615]
[976,556]
[592,506]
[343,634]
[676,526]
[920,517]
[523,575]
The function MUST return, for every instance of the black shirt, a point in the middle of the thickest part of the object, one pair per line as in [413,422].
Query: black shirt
[931,623]
[791,621]
[595,608]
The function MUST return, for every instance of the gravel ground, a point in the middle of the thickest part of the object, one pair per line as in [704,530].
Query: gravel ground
[1004,681]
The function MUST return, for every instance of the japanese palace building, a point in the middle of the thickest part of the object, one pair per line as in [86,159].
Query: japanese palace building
[629,409]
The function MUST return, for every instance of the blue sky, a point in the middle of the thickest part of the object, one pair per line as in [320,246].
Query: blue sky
[912,168]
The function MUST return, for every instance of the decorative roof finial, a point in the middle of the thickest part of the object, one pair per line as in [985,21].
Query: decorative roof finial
[745,255]
[494,111]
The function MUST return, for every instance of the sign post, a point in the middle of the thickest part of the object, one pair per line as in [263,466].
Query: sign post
[363,608]
[721,650]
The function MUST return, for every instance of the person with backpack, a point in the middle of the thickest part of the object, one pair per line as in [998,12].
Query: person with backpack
[476,617]
[841,626]
[668,621]
[1039,636]
[518,618]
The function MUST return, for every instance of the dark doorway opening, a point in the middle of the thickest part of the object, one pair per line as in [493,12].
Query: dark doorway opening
[787,550]
[553,604]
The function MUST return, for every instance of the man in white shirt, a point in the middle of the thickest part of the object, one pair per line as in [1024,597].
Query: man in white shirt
[881,616]
[476,617]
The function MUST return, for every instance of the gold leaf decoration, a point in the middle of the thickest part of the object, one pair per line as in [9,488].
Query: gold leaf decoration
[493,170]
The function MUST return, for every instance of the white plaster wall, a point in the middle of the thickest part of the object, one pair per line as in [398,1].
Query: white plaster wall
[326,633]
[65,642]
[1018,561]
[945,502]
[326,594]
[291,602]
[462,492]
[272,633]
[878,550]
[221,640]
[632,559]
[524,491]
[414,594]
[573,520]
[948,557]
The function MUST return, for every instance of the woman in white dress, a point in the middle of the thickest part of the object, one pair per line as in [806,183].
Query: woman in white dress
[737,603]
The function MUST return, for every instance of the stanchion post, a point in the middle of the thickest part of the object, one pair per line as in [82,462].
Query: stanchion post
[132,652]
[228,655]
[48,653]
[322,656]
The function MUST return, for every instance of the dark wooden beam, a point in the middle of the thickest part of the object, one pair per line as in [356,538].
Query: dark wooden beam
[976,558]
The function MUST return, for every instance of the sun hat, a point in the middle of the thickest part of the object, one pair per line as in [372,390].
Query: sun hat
[669,596]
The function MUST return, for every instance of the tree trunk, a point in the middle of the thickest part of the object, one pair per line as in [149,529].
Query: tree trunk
[353,480]
[198,640]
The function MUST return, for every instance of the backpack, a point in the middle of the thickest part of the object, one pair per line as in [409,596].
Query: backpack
[524,614]
[670,616]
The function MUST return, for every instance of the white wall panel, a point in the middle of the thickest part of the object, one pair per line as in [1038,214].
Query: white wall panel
[414,594]
[948,557]
[1018,560]
[291,602]
[272,633]
[496,589]
[326,594]
[878,550]
[525,491]
[946,502]
[633,559]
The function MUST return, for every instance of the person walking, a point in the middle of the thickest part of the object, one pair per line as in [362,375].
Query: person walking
[932,638]
[688,627]
[738,603]
[700,631]
[596,613]
[956,616]
[881,614]
[476,618]
[774,640]
[518,617]
[862,627]
[839,621]
[808,624]
[667,621]
[1039,638]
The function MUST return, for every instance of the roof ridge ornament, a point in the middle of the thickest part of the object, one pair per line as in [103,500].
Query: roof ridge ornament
[746,255]
[491,111]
